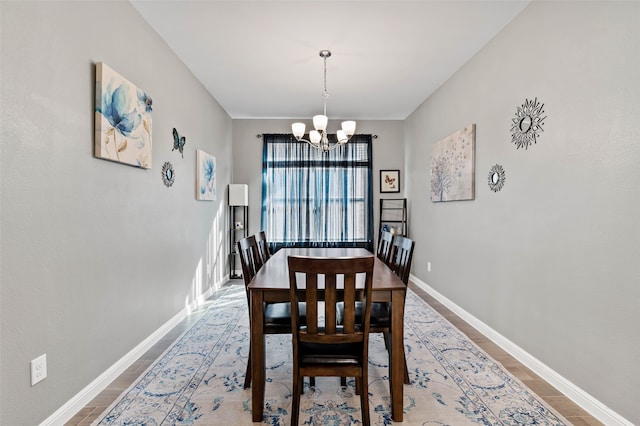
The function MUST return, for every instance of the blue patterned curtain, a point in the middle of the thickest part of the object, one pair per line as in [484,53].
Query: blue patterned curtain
[315,199]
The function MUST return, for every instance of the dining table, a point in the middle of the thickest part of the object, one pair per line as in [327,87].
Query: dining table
[271,284]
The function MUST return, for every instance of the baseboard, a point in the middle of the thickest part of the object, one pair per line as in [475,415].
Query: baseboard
[78,402]
[571,391]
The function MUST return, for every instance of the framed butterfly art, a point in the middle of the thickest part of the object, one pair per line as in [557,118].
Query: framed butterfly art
[178,142]
[389,180]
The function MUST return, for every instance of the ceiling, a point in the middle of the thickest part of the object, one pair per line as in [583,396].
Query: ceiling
[260,59]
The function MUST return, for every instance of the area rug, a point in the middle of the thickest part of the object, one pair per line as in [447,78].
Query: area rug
[198,380]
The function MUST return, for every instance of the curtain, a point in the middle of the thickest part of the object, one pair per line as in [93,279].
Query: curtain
[315,199]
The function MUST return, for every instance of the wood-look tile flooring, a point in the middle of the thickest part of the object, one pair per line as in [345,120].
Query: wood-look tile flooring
[544,390]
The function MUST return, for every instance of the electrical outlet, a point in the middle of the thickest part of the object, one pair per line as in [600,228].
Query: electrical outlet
[428,266]
[38,369]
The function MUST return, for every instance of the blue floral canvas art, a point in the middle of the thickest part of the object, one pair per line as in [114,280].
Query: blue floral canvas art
[206,180]
[123,120]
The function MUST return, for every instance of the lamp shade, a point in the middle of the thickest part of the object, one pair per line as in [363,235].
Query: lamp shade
[298,130]
[315,136]
[349,127]
[238,194]
[320,122]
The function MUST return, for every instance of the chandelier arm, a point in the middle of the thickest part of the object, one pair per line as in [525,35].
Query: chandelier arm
[308,141]
[332,145]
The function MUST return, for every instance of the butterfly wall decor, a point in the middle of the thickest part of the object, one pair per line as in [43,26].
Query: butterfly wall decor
[389,180]
[178,142]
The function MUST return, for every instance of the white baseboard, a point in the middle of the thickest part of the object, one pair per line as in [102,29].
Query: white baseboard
[571,391]
[75,404]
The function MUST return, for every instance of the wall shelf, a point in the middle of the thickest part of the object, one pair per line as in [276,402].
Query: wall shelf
[393,216]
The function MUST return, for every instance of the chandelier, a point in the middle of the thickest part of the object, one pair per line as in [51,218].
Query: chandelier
[318,137]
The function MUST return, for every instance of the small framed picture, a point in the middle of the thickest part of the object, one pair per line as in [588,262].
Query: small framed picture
[389,180]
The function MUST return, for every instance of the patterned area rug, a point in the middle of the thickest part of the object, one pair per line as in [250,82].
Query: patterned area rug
[198,380]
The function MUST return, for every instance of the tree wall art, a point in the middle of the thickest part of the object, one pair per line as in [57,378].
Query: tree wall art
[452,166]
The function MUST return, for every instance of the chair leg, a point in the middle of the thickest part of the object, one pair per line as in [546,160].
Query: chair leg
[406,369]
[386,340]
[247,374]
[312,384]
[295,398]
[364,398]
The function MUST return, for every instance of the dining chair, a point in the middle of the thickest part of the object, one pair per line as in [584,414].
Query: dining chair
[400,257]
[249,256]
[263,246]
[384,246]
[277,316]
[321,345]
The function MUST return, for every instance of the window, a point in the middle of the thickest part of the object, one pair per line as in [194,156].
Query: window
[315,199]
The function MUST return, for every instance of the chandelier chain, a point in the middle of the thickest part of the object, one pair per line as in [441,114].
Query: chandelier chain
[325,94]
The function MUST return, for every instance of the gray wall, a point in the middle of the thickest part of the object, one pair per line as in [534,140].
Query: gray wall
[95,256]
[550,262]
[388,154]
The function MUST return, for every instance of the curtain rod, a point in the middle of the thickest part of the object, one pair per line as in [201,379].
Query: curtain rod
[259,135]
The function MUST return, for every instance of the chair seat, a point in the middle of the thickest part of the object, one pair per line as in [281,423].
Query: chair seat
[339,354]
[380,314]
[280,314]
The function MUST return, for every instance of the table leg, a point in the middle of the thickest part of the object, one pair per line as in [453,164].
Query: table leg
[396,380]
[257,355]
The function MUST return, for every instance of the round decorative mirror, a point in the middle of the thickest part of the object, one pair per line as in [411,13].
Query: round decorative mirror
[496,178]
[526,126]
[168,175]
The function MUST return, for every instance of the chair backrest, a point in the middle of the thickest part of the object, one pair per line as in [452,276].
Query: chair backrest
[401,257]
[249,258]
[263,246]
[331,280]
[384,246]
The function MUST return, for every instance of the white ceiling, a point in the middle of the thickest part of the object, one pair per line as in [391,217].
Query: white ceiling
[260,59]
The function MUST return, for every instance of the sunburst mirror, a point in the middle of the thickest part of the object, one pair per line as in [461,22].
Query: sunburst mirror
[168,175]
[526,126]
[496,178]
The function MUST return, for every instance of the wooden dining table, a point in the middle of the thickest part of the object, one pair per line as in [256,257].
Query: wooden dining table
[271,284]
